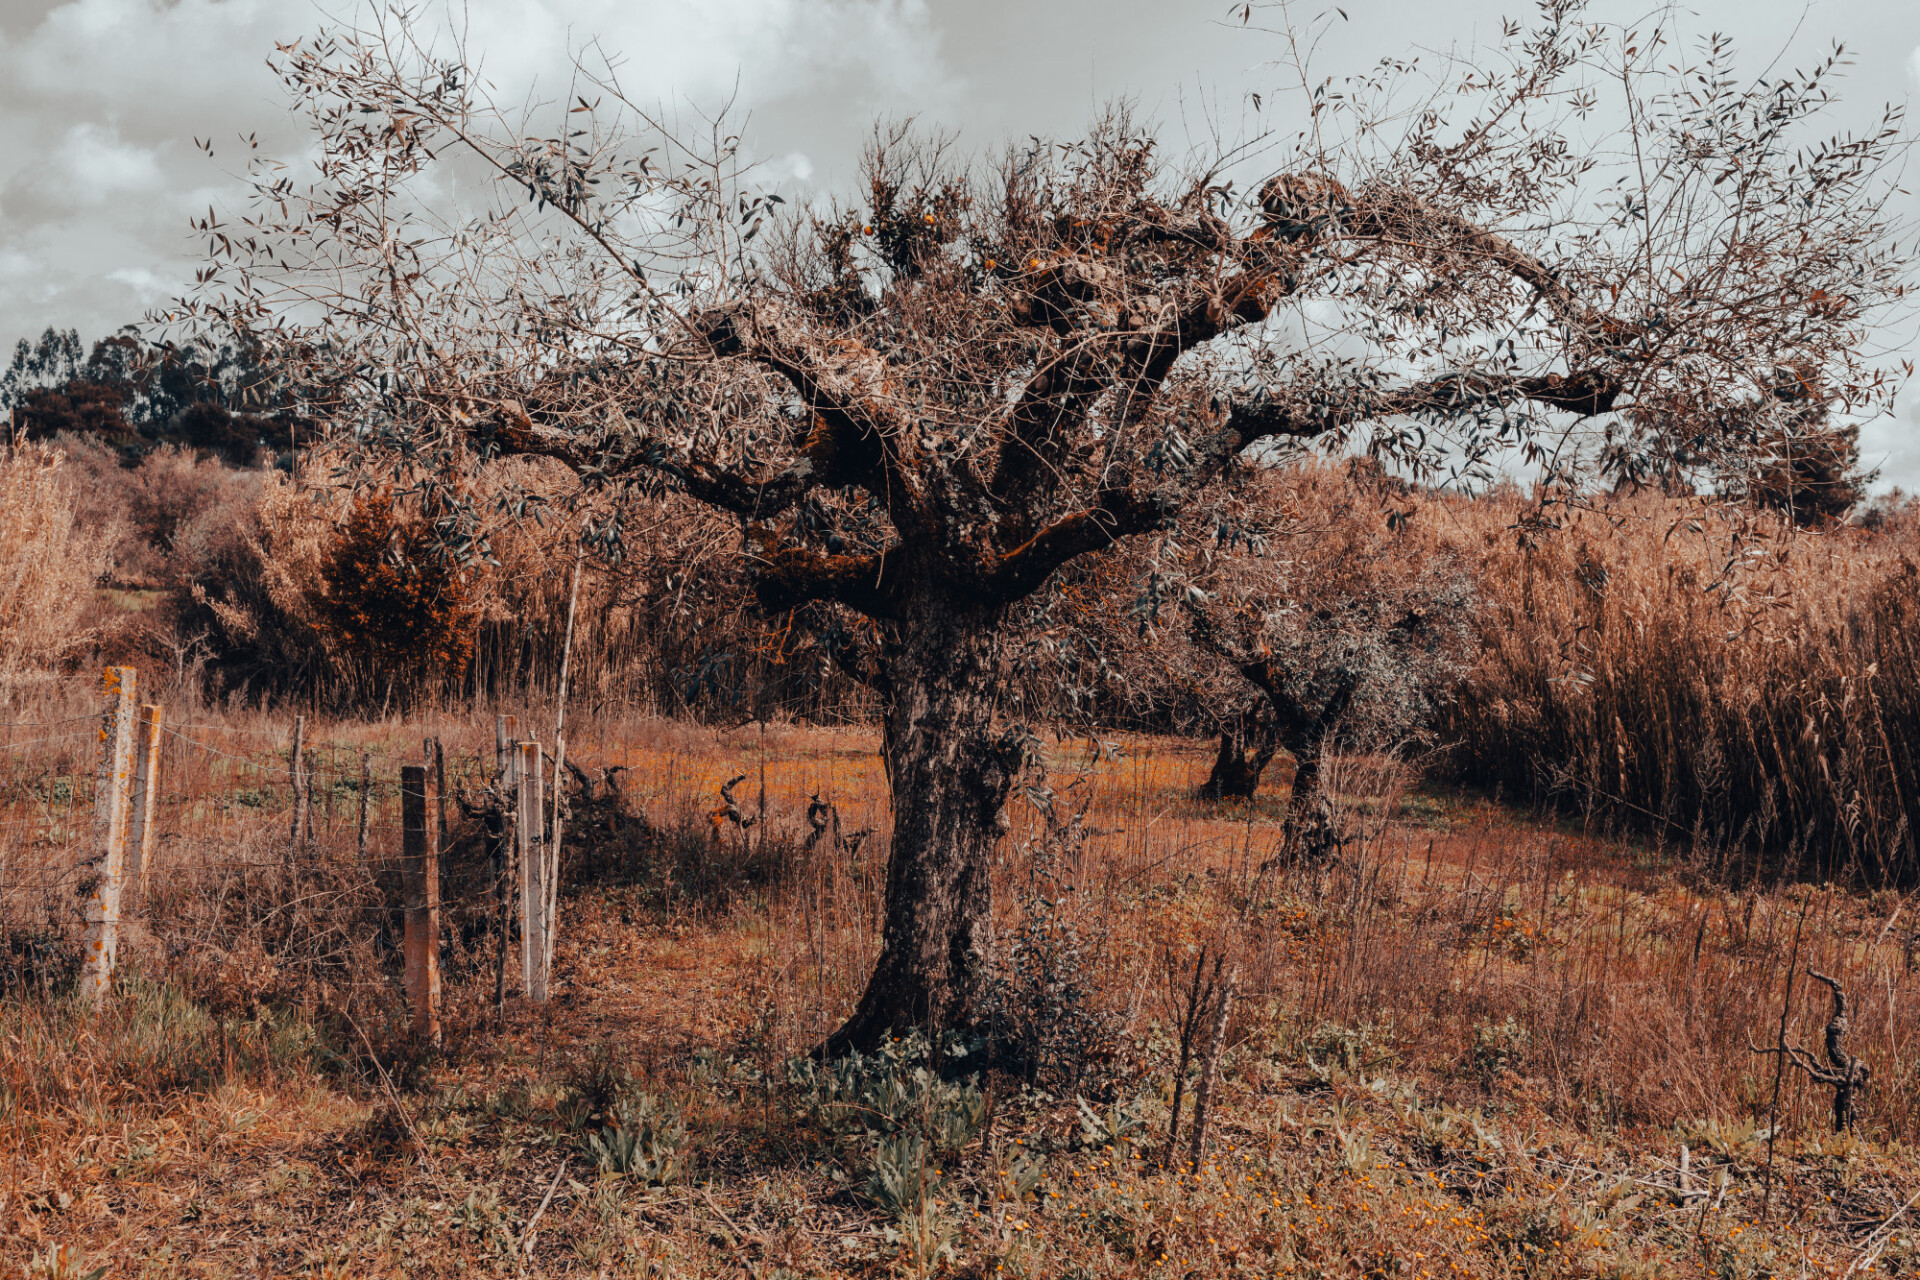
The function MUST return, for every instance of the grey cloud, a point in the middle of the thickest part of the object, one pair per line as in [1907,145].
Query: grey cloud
[104,98]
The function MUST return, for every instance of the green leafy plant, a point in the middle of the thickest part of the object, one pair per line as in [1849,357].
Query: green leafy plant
[1498,1047]
[1120,1121]
[61,1262]
[644,1142]
[901,1117]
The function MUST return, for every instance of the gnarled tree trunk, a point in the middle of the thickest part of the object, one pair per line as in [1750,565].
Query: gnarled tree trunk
[1247,747]
[951,773]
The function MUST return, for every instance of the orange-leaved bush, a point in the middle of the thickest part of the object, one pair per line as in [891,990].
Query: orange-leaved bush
[395,609]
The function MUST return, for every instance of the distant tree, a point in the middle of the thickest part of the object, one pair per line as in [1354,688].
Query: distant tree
[220,399]
[1798,461]
[921,406]
[235,438]
[1349,649]
[56,359]
[80,407]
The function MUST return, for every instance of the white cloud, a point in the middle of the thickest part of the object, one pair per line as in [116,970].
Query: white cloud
[795,165]
[146,285]
[97,164]
[98,174]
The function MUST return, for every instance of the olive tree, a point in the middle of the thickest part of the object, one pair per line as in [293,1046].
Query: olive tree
[1348,618]
[920,400]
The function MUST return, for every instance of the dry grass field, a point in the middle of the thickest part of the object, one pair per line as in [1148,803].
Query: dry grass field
[1476,1043]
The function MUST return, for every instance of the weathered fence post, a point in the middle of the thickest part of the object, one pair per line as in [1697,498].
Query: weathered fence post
[551,915]
[146,786]
[439,764]
[296,769]
[110,831]
[420,885]
[366,794]
[528,820]
[559,769]
[504,727]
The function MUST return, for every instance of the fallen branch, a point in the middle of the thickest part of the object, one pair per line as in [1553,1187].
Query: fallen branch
[528,1236]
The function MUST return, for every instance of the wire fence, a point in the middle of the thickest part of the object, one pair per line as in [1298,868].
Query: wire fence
[239,844]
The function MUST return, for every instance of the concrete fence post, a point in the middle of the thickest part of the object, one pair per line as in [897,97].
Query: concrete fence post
[112,783]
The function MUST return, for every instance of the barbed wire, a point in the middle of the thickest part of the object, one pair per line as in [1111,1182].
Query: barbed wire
[48,724]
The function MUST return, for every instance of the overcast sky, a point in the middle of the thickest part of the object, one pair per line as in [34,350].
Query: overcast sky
[103,99]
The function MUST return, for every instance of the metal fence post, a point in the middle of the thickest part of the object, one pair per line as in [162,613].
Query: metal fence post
[110,832]
[420,885]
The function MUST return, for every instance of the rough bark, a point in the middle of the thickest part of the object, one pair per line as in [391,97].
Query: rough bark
[1247,747]
[1309,831]
[951,773]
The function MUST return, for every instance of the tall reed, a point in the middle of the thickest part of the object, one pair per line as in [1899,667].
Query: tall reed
[1702,676]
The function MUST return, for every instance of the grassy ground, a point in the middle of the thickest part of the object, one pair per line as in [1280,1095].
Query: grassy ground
[1476,1045]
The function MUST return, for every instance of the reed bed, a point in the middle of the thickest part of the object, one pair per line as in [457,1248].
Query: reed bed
[1704,676]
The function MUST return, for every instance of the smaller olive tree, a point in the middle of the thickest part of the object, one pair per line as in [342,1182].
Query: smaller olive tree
[1349,632]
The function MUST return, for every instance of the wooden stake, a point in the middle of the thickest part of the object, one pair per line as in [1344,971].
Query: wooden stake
[552,850]
[146,786]
[420,884]
[366,794]
[296,768]
[440,791]
[501,843]
[504,728]
[533,892]
[111,786]
[1210,1065]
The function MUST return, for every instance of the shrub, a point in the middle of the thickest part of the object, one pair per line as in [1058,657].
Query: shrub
[643,1141]
[48,565]
[1706,678]
[400,613]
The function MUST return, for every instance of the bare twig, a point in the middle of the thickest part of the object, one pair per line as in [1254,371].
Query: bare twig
[529,1236]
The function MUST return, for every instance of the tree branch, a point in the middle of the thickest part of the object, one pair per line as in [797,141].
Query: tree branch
[787,576]
[1120,513]
[1286,415]
[511,431]
[860,436]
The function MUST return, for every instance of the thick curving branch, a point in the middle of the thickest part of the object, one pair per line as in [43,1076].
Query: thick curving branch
[1119,513]
[786,576]
[1283,414]
[1846,1075]
[861,433]
[510,431]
